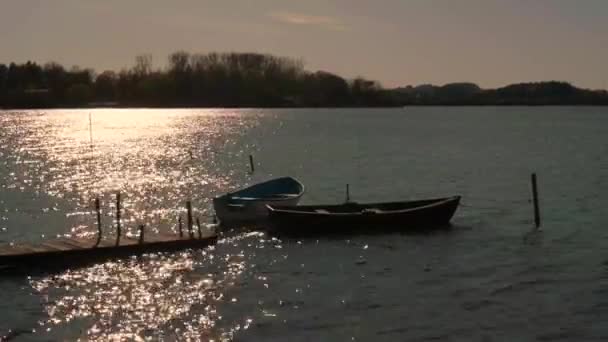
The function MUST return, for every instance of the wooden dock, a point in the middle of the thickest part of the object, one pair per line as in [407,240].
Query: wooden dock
[67,252]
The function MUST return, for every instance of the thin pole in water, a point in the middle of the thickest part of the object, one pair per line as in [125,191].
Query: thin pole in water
[91,129]
[98,211]
[347,193]
[535,200]
[251,165]
[118,232]
[189,209]
[141,233]
[179,223]
[198,225]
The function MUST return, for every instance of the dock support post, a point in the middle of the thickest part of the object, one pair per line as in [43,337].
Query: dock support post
[189,209]
[118,230]
[535,200]
[98,211]
[251,165]
[179,223]
[198,225]
[141,233]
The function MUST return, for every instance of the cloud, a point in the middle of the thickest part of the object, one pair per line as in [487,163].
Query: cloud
[322,21]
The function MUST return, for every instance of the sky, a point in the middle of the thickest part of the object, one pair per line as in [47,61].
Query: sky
[397,42]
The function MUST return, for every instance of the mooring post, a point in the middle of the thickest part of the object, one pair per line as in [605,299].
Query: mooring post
[141,233]
[91,129]
[347,193]
[251,165]
[535,200]
[190,228]
[198,225]
[179,223]
[98,211]
[118,231]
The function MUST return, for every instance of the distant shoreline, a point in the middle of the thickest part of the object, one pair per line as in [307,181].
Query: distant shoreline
[303,107]
[252,80]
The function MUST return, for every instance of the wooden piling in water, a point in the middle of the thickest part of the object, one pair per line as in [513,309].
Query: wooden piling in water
[91,129]
[190,224]
[98,211]
[198,225]
[537,221]
[141,233]
[179,223]
[251,165]
[347,193]
[118,229]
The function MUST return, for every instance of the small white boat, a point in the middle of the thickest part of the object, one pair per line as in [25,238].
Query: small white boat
[248,206]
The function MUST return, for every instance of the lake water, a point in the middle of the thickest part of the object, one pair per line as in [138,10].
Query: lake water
[489,278]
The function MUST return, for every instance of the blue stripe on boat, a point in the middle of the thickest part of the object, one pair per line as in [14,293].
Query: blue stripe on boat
[280,188]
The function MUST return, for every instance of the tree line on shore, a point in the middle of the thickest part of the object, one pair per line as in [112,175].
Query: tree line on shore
[250,80]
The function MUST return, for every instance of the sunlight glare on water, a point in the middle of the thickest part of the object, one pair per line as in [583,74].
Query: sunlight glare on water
[151,296]
[153,157]
[157,160]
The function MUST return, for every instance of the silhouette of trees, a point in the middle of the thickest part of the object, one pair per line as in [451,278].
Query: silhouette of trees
[106,86]
[250,80]
[3,82]
[538,93]
[325,89]
[143,65]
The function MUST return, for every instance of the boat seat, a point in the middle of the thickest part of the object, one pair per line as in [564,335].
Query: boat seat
[321,211]
[286,195]
[237,198]
[235,207]
[372,211]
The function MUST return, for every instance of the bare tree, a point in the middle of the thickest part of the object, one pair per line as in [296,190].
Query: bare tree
[143,65]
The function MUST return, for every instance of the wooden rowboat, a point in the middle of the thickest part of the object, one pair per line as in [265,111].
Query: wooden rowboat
[356,217]
[248,206]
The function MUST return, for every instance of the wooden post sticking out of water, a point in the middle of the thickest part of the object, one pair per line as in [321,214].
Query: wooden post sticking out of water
[535,200]
[98,211]
[251,165]
[118,231]
[91,129]
[141,233]
[347,193]
[189,209]
[198,225]
[179,223]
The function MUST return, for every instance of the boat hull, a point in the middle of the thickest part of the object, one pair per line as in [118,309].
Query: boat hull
[247,207]
[246,213]
[362,218]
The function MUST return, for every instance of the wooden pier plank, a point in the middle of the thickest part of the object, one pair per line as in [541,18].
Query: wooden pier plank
[77,243]
[60,245]
[52,246]
[36,248]
[12,250]
[74,250]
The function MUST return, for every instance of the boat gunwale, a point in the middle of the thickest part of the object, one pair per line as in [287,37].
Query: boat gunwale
[230,195]
[438,202]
